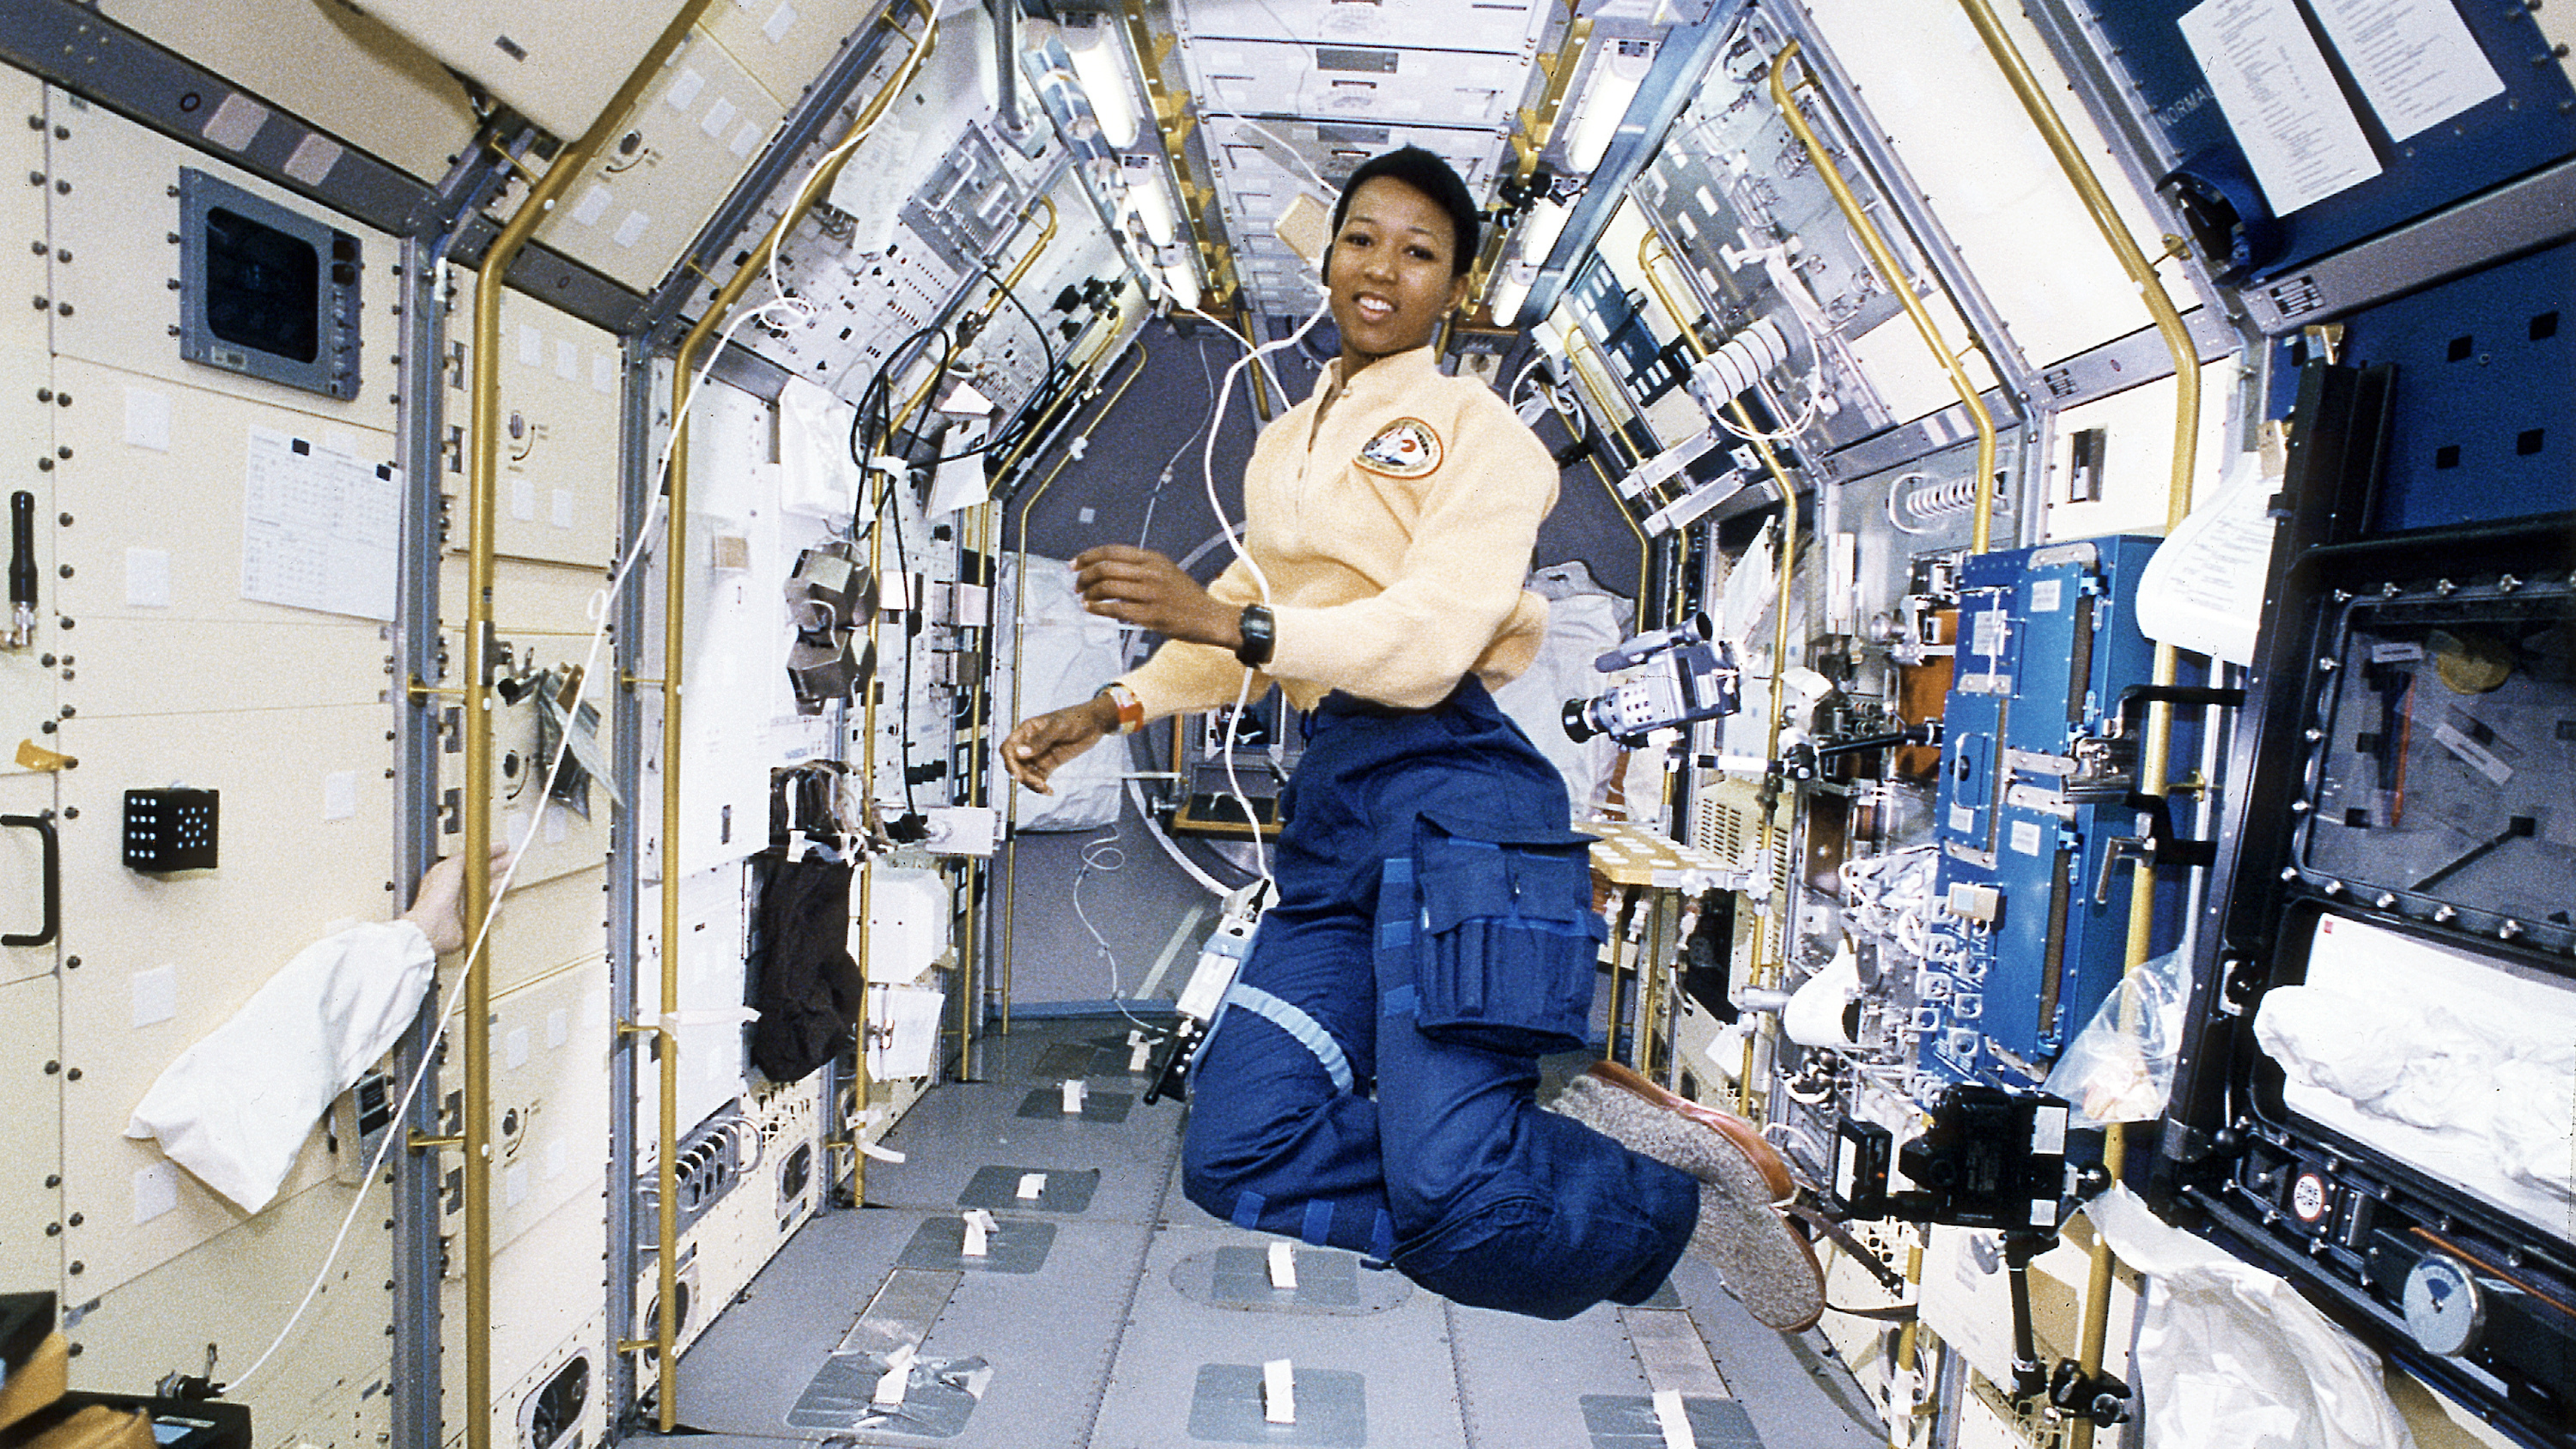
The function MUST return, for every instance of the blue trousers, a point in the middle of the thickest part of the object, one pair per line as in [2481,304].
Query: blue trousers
[1341,1120]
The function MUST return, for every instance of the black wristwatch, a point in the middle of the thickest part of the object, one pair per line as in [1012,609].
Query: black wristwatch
[1260,636]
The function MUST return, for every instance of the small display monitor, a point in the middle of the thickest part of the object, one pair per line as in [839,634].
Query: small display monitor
[266,291]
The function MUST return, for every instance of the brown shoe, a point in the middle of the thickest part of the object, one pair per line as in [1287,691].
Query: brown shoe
[1744,1136]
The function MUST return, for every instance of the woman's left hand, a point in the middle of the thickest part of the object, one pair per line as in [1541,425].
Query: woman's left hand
[1141,587]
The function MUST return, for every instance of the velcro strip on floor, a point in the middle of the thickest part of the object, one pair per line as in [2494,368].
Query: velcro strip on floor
[1096,1106]
[1627,1421]
[1014,1246]
[1063,1191]
[1332,1408]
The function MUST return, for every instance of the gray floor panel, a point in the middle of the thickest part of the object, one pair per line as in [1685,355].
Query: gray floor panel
[1521,1381]
[1401,1353]
[1107,1336]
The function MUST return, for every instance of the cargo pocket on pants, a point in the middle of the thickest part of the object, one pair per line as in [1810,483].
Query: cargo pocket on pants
[1505,938]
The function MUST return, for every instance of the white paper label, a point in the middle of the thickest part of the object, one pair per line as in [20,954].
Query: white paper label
[781,21]
[1963,820]
[684,91]
[156,995]
[2047,595]
[2396,653]
[1073,1092]
[147,419]
[563,508]
[718,117]
[156,1191]
[2281,101]
[632,229]
[532,347]
[340,795]
[2415,60]
[1032,1186]
[594,205]
[2025,836]
[147,578]
[1283,1264]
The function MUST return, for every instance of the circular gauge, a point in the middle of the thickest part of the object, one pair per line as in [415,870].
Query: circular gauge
[2446,1306]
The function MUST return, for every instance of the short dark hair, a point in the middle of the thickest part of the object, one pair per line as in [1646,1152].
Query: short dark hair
[1427,173]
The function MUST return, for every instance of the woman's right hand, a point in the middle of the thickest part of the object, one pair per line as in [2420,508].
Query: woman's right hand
[1042,743]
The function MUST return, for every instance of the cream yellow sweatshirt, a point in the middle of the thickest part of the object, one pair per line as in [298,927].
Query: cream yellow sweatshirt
[1394,519]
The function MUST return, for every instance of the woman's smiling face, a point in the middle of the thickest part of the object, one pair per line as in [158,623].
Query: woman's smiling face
[1391,272]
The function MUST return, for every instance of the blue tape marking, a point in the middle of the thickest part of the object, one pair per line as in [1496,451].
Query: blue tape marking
[1382,1237]
[1402,1001]
[1318,1228]
[1247,1210]
[1293,1020]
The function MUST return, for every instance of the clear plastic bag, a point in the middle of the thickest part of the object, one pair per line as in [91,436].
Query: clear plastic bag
[2120,1066]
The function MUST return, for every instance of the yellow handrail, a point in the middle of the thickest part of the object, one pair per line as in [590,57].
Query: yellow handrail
[1763,968]
[2155,751]
[1893,274]
[482,497]
[1019,605]
[666,1330]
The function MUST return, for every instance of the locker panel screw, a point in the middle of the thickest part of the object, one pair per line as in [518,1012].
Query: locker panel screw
[63,398]
[64,308]
[76,1220]
[46,725]
[71,963]
[43,302]
[44,394]
[63,453]
[70,812]
[64,519]
[63,255]
[62,188]
[47,661]
[53,1179]
[67,571]
[77,1267]
[53,1230]
[73,1075]
[52,1067]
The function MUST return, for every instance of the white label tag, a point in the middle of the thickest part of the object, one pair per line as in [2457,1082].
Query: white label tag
[2472,754]
[1963,819]
[1283,1265]
[1279,1391]
[1073,1090]
[1139,1051]
[979,1229]
[898,1376]
[2396,653]
[1987,634]
[1673,1419]
[2025,836]
[1032,1186]
[2047,595]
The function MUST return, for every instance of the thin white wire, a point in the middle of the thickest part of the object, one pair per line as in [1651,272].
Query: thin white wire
[601,606]
[1101,853]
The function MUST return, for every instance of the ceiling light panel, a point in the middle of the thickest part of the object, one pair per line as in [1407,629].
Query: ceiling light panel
[1508,27]
[1357,83]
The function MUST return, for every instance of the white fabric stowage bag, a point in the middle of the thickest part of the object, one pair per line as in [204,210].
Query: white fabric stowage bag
[236,1107]
[2231,1357]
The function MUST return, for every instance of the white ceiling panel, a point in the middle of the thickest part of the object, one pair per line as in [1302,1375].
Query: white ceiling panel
[1347,83]
[1505,26]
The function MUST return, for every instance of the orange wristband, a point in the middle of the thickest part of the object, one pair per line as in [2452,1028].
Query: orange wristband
[1131,710]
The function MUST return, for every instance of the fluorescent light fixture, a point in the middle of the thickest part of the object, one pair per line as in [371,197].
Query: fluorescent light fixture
[1618,67]
[1145,194]
[1101,62]
[1511,288]
[1539,233]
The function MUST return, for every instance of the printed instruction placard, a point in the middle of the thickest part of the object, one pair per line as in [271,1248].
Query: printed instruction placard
[2297,130]
[321,528]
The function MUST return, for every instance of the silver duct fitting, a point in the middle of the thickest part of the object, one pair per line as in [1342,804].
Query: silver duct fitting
[1732,369]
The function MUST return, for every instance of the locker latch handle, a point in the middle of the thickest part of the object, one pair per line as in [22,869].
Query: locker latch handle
[43,825]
